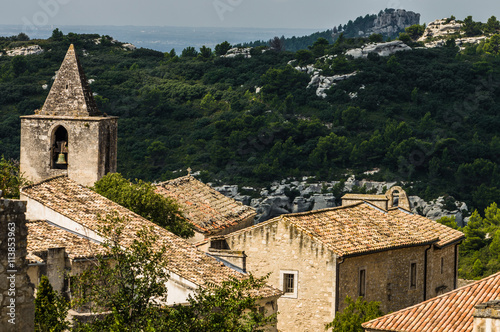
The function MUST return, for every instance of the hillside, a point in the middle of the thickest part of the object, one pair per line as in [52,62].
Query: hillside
[426,117]
[389,23]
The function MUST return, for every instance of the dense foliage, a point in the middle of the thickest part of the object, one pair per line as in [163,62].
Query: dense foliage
[480,251]
[355,313]
[10,178]
[426,116]
[50,309]
[141,198]
[128,282]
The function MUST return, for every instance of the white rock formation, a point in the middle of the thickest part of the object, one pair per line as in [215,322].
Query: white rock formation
[382,49]
[129,47]
[234,52]
[439,28]
[27,50]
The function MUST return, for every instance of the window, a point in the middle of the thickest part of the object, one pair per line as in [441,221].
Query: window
[289,283]
[362,282]
[413,275]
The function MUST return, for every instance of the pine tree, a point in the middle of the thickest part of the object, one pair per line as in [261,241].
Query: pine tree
[51,309]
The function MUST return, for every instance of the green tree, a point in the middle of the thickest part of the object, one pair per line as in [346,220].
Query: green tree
[376,38]
[205,52]
[141,198]
[492,45]
[51,309]
[356,313]
[189,52]
[492,25]
[19,64]
[11,180]
[404,37]
[222,48]
[57,35]
[129,280]
[227,307]
[415,31]
[471,28]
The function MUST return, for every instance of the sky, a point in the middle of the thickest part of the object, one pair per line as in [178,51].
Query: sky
[315,14]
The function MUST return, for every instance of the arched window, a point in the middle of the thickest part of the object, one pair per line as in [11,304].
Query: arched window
[59,159]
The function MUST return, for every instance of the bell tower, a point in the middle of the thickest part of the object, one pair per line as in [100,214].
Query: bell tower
[69,135]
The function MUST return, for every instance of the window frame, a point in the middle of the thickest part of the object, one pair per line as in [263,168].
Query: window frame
[413,275]
[362,282]
[283,275]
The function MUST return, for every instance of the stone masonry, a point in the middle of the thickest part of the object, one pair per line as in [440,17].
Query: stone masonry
[17,310]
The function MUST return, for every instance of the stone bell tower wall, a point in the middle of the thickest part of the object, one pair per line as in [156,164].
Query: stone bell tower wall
[91,147]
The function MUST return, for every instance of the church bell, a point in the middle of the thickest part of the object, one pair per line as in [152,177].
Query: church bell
[61,159]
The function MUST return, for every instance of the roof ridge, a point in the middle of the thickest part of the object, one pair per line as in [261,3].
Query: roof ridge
[43,181]
[312,212]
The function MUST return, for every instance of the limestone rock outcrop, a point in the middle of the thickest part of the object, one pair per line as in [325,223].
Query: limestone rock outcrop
[440,28]
[382,49]
[234,52]
[391,22]
[26,50]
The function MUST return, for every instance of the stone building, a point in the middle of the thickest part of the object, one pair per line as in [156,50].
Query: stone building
[68,136]
[394,197]
[210,212]
[17,307]
[472,308]
[68,207]
[318,258]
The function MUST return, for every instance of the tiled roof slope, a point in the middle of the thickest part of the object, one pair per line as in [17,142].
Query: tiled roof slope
[206,208]
[450,312]
[83,206]
[362,228]
[426,226]
[43,236]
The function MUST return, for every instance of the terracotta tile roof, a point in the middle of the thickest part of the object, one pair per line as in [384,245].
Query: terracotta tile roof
[42,236]
[207,209]
[450,312]
[363,228]
[365,197]
[83,206]
[447,235]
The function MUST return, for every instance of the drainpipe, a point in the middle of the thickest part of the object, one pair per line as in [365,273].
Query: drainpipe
[425,271]
[337,287]
[455,276]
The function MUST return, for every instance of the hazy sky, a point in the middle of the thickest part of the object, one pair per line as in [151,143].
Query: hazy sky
[318,14]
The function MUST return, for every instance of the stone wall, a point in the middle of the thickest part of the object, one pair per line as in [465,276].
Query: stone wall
[16,293]
[388,276]
[276,247]
[92,146]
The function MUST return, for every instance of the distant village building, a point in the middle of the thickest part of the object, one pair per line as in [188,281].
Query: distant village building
[394,197]
[210,212]
[66,147]
[472,308]
[318,258]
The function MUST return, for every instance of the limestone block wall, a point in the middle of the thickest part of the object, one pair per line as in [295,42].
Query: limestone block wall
[387,278]
[92,145]
[442,280]
[17,311]
[278,246]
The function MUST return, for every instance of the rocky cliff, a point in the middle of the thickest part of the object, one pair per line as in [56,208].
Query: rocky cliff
[300,196]
[392,21]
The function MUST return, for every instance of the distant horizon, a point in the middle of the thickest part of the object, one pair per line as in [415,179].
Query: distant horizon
[267,14]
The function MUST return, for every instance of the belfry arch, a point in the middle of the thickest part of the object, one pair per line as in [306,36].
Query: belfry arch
[59,148]
[397,197]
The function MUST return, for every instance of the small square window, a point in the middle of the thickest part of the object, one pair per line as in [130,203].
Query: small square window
[289,283]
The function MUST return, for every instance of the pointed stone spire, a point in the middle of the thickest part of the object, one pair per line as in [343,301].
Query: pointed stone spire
[70,94]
